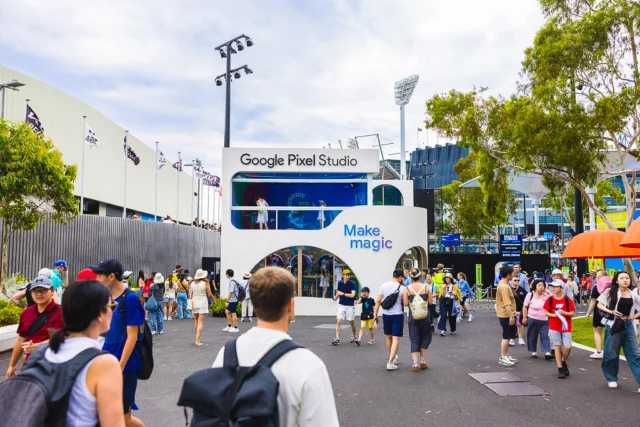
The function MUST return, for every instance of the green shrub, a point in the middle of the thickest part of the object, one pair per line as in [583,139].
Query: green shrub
[10,315]
[3,304]
[217,308]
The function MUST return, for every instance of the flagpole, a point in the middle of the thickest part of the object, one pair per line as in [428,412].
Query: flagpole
[209,205]
[155,204]
[126,157]
[193,172]
[178,201]
[84,130]
[418,138]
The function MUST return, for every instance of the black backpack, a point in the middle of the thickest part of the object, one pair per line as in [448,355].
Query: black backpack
[234,395]
[144,345]
[242,293]
[390,300]
[39,395]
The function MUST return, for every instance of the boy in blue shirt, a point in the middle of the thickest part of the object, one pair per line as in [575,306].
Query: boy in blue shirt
[121,338]
[366,317]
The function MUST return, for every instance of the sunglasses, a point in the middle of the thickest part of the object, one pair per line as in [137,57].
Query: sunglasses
[112,305]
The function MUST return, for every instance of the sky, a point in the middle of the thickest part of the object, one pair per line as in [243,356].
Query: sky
[323,71]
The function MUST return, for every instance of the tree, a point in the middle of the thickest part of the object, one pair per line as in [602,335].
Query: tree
[575,116]
[466,207]
[561,200]
[34,182]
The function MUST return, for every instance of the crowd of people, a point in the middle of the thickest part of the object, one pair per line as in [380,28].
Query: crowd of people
[195,223]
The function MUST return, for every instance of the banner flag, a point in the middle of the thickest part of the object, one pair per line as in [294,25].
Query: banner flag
[90,137]
[177,167]
[161,160]
[33,120]
[130,153]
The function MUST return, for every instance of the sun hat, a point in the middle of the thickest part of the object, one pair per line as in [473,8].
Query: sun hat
[159,278]
[246,275]
[200,274]
[556,271]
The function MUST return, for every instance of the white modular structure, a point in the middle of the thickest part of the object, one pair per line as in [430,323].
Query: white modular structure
[369,240]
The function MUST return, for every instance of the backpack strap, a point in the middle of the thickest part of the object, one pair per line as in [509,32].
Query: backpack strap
[230,360]
[277,352]
[40,321]
[122,306]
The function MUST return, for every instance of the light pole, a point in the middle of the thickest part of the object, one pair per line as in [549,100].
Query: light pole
[226,50]
[403,90]
[13,85]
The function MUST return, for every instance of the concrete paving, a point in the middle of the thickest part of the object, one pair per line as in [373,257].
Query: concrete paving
[367,395]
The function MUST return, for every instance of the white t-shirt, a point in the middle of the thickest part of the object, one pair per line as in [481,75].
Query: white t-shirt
[387,289]
[305,397]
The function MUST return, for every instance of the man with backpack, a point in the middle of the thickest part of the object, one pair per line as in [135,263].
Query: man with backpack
[390,299]
[560,309]
[236,293]
[304,394]
[35,322]
[122,337]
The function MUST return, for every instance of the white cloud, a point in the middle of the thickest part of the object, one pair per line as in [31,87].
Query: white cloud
[323,71]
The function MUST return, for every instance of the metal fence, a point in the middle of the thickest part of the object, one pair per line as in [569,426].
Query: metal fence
[140,245]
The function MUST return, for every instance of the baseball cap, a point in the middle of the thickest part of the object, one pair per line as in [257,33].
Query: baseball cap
[127,273]
[44,272]
[346,271]
[86,274]
[365,289]
[556,271]
[557,283]
[108,266]
[41,282]
[398,272]
[61,263]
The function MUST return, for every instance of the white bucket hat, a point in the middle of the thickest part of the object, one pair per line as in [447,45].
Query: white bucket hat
[158,278]
[200,274]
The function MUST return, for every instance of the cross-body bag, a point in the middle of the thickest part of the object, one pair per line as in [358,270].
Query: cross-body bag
[390,300]
[40,321]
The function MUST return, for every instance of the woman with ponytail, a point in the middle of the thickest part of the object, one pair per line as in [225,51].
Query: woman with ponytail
[96,396]
[419,321]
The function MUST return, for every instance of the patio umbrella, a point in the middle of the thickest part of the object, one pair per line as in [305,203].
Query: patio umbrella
[631,238]
[600,243]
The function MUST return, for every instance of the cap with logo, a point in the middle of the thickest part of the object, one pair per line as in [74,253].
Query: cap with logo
[108,266]
[346,271]
[61,263]
[41,282]
[557,282]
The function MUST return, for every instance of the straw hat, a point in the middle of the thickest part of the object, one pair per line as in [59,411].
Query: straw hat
[200,274]
[246,275]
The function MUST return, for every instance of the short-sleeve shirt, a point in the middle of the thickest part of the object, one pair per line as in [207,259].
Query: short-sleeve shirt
[368,304]
[56,281]
[245,285]
[233,288]
[535,306]
[551,305]
[387,289]
[347,288]
[504,297]
[30,314]
[519,295]
[116,336]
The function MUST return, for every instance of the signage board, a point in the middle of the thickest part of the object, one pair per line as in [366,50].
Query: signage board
[549,235]
[450,240]
[511,245]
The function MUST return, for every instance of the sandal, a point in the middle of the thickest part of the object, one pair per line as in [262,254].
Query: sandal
[198,344]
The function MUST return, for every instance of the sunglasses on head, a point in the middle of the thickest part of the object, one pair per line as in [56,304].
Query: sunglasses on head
[112,305]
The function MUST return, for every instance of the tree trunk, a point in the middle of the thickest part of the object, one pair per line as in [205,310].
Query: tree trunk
[6,233]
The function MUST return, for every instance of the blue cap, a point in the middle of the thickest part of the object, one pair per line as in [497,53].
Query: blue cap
[61,263]
[365,289]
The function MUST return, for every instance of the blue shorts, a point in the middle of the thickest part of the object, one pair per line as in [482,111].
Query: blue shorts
[233,306]
[129,386]
[393,324]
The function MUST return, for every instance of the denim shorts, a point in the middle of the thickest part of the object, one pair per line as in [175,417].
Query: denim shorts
[169,300]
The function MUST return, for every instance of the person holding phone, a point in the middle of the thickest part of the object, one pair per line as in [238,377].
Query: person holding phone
[620,307]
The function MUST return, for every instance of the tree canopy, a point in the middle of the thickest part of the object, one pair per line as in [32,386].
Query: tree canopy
[34,182]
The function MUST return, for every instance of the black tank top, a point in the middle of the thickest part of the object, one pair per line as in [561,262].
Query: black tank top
[625,305]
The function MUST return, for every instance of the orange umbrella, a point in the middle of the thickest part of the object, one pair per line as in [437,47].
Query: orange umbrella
[600,243]
[631,238]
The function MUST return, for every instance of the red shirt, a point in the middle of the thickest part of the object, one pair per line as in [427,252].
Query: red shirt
[555,324]
[30,314]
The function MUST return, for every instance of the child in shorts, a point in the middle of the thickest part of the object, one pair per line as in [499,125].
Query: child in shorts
[366,317]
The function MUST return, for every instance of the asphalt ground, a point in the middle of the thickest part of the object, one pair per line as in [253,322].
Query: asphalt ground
[367,395]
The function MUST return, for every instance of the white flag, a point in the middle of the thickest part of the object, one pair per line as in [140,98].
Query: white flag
[90,137]
[161,161]
[199,172]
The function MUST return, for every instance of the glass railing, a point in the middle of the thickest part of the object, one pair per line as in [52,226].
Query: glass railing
[284,217]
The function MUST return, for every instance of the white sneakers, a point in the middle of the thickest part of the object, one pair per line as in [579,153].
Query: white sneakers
[165,317]
[521,341]
[231,329]
[395,360]
[372,342]
[168,318]
[226,329]
[391,367]
[458,319]
[504,361]
[512,342]
[470,317]
[513,359]
[612,384]
[596,355]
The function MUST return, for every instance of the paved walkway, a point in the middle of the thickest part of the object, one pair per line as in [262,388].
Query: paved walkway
[367,395]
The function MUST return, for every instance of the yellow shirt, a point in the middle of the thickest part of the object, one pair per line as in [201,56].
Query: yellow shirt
[455,291]
[504,297]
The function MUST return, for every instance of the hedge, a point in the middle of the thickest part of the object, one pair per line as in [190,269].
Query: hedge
[9,313]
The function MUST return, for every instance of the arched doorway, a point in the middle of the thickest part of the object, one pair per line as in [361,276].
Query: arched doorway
[387,195]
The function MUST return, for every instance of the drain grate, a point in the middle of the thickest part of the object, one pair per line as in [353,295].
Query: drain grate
[507,384]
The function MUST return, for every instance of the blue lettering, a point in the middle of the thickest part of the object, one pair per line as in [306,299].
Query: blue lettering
[387,244]
[356,244]
[367,244]
[373,244]
[349,231]
[376,231]
[376,245]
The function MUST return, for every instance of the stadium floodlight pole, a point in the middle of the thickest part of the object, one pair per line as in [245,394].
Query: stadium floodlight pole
[403,89]
[13,85]
[226,50]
